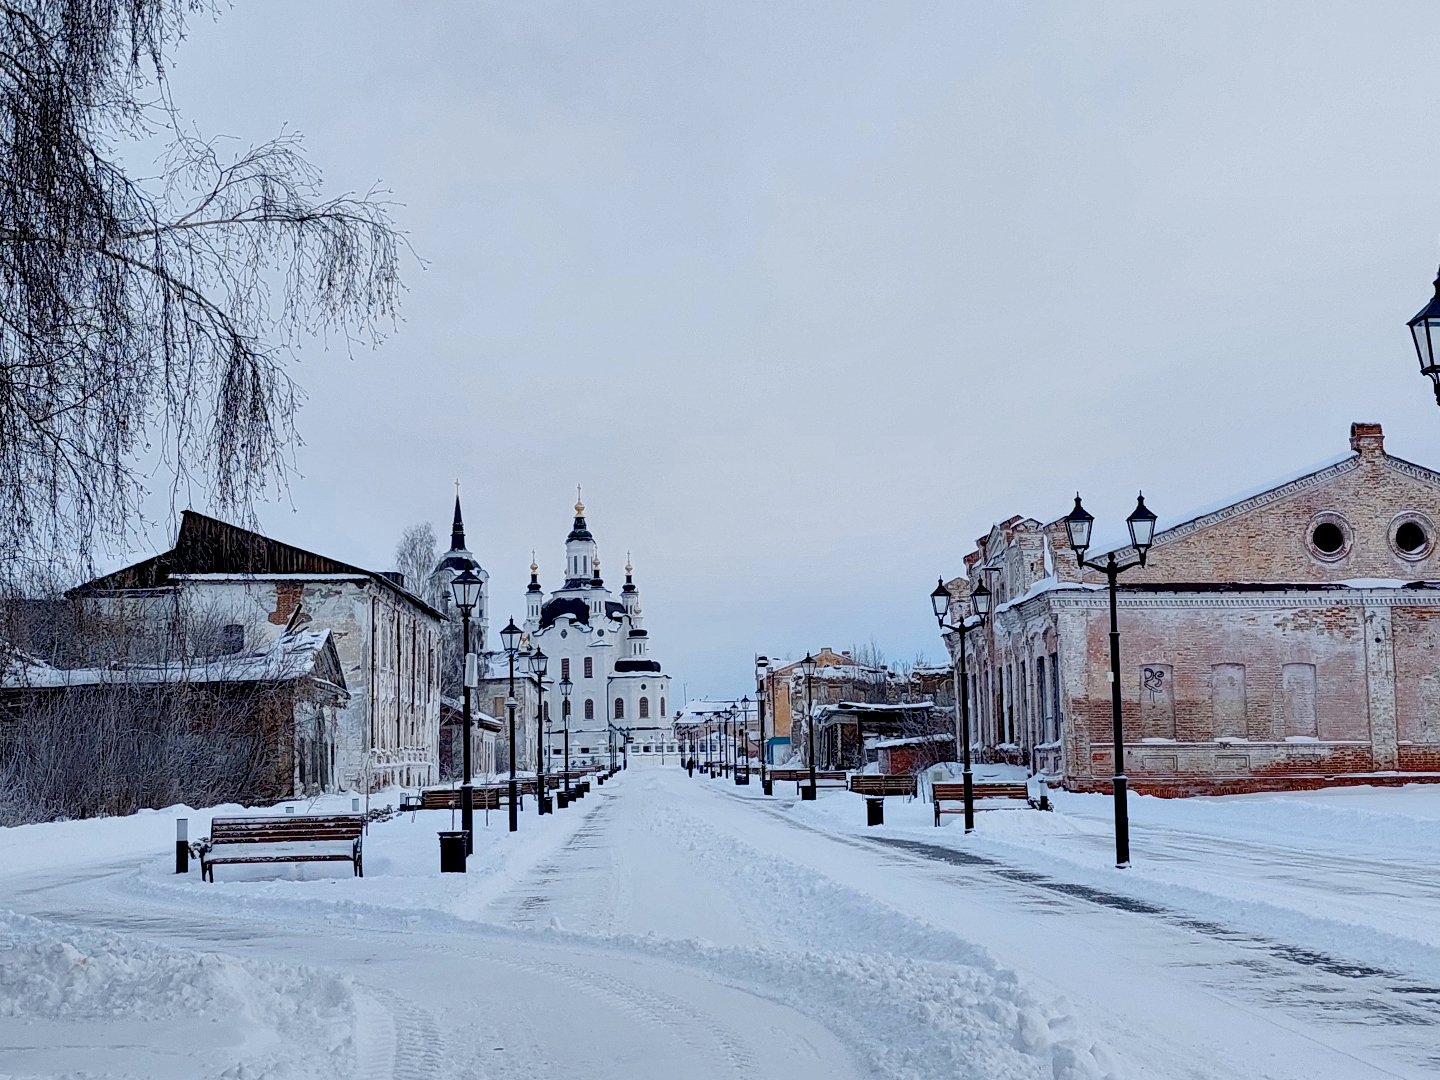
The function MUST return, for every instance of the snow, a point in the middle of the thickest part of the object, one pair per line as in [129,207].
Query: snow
[290,656]
[666,926]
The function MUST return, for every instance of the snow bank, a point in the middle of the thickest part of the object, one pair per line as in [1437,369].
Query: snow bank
[301,1022]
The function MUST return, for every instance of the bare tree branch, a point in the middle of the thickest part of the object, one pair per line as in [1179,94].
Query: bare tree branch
[153,319]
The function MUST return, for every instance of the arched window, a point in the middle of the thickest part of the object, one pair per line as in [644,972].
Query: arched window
[662,706]
[644,708]
[589,707]
[619,708]
[565,708]
[547,712]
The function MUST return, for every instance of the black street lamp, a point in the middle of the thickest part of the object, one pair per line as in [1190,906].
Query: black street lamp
[565,687]
[762,667]
[465,588]
[807,666]
[538,663]
[1425,329]
[511,637]
[940,603]
[1142,534]
[744,737]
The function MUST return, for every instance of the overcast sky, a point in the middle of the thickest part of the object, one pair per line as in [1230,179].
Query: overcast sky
[807,295]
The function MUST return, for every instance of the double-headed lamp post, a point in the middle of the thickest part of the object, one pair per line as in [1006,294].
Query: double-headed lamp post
[511,637]
[980,601]
[744,736]
[465,588]
[565,687]
[1142,534]
[807,668]
[1425,330]
[762,668]
[538,663]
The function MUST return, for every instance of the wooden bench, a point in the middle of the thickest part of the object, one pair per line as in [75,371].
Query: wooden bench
[287,829]
[875,786]
[943,793]
[823,778]
[481,798]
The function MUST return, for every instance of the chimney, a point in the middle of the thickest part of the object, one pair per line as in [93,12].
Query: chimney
[1367,439]
[395,576]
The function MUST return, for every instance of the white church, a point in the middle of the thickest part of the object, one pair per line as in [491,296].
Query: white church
[599,644]
[619,698]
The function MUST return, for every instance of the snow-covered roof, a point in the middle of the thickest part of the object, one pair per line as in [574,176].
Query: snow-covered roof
[914,740]
[290,656]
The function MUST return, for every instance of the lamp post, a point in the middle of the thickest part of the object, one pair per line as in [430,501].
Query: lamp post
[744,736]
[511,636]
[565,687]
[727,743]
[1141,523]
[940,602]
[1425,329]
[762,667]
[538,663]
[807,666]
[465,588]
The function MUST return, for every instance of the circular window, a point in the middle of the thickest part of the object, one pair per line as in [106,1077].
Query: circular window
[1412,537]
[1329,537]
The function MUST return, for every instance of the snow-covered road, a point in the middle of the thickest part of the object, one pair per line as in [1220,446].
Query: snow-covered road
[676,927]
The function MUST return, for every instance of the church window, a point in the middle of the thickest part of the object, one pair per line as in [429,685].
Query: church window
[644,708]
[589,708]
[589,667]
[662,706]
[619,708]
[547,712]
[565,667]
[565,707]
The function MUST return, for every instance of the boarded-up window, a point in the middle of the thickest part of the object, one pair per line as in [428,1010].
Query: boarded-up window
[1298,687]
[1157,701]
[1227,700]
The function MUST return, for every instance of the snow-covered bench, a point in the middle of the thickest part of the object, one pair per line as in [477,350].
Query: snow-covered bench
[955,793]
[311,829]
[875,786]
[823,778]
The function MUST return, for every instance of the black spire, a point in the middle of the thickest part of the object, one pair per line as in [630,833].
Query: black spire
[457,530]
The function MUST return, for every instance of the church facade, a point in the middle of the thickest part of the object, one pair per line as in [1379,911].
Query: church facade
[596,641]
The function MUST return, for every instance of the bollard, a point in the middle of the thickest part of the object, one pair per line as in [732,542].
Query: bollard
[769,786]
[182,845]
[874,811]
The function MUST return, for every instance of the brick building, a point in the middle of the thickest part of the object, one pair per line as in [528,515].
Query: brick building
[1290,639]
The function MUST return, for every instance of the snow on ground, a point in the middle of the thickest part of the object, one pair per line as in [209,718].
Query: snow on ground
[667,926]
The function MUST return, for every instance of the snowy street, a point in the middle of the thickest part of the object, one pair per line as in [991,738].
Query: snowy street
[668,926]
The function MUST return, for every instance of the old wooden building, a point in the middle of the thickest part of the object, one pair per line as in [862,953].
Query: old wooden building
[1290,639]
[235,591]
